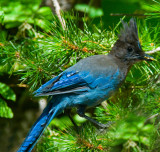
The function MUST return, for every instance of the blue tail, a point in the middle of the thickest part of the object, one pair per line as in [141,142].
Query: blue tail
[37,129]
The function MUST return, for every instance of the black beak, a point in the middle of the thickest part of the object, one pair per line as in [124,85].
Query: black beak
[148,58]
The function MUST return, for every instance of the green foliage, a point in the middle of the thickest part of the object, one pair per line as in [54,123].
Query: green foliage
[5,111]
[128,134]
[153,9]
[90,10]
[7,93]
[132,129]
[137,100]
[1,16]
[49,55]
[36,57]
[69,140]
[17,12]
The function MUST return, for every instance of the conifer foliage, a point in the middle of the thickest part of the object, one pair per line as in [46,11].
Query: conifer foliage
[41,50]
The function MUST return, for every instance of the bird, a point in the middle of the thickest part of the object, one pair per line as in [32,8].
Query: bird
[89,82]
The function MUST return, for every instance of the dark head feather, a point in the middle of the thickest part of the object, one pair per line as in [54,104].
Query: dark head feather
[129,33]
[127,48]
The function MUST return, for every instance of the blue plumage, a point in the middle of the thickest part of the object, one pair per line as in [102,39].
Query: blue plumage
[87,83]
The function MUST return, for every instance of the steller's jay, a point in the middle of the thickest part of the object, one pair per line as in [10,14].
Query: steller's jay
[88,83]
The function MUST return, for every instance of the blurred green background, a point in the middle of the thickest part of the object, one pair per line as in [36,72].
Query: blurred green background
[34,48]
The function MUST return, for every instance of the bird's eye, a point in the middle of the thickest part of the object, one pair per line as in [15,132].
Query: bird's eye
[130,49]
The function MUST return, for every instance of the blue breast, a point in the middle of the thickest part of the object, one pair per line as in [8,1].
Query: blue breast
[100,89]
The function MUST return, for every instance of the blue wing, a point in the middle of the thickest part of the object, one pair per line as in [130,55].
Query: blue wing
[66,82]
[90,73]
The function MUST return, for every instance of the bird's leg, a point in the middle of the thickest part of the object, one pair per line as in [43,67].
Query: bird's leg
[81,113]
[68,112]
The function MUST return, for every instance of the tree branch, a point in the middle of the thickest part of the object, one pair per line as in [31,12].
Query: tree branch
[58,12]
[153,51]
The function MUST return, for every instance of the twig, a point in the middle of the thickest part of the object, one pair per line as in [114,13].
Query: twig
[153,51]
[58,12]
[19,85]
[151,117]
[123,14]
[95,43]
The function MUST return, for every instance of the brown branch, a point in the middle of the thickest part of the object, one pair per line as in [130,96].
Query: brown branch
[95,43]
[21,85]
[89,145]
[123,14]
[74,47]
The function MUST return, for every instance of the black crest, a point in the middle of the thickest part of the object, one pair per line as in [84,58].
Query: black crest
[129,33]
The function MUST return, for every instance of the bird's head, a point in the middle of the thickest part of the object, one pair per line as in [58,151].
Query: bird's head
[127,47]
